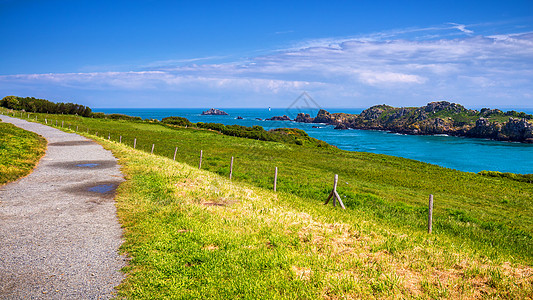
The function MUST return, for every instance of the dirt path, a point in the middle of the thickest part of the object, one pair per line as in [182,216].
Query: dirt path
[59,234]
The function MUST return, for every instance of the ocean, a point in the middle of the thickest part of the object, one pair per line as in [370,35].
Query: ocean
[464,154]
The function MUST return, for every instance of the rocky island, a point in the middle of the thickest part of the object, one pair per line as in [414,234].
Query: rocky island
[214,112]
[435,118]
[279,118]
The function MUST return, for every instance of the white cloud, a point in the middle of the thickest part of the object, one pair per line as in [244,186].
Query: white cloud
[462,28]
[377,78]
[375,66]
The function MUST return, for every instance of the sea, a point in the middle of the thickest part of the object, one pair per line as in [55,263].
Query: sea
[464,154]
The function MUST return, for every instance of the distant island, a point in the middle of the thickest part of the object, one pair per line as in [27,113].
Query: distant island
[214,112]
[435,118]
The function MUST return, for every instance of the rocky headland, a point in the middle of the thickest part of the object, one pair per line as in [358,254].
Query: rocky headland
[435,118]
[214,112]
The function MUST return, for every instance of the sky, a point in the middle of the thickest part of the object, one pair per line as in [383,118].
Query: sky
[344,54]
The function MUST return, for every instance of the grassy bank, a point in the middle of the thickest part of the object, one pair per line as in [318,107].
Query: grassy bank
[194,234]
[20,151]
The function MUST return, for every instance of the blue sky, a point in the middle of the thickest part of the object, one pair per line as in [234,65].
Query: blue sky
[259,53]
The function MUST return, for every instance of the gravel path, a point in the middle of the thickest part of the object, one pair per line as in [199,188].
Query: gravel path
[59,233]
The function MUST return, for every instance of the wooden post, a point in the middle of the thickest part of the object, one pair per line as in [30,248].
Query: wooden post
[334,194]
[231,168]
[56,123]
[87,129]
[134,143]
[430,214]
[62,123]
[275,178]
[76,128]
[120,140]
[201,154]
[153,145]
[46,121]
[175,151]
[28,115]
[109,136]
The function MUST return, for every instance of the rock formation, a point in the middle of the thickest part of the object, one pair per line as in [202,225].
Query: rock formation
[435,118]
[215,112]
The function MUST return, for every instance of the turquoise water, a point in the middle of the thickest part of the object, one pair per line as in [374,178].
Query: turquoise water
[465,154]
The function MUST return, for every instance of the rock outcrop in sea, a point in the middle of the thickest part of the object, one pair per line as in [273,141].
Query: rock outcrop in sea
[214,112]
[278,118]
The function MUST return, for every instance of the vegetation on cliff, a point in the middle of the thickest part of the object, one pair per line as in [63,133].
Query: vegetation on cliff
[435,118]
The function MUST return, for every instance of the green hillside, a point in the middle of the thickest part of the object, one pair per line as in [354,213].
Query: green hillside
[188,230]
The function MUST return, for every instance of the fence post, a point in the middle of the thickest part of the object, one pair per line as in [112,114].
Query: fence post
[201,154]
[175,151]
[275,178]
[120,139]
[76,128]
[134,143]
[152,152]
[62,123]
[334,194]
[430,214]
[231,168]
[109,136]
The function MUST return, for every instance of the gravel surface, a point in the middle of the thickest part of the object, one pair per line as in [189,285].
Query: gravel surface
[59,233]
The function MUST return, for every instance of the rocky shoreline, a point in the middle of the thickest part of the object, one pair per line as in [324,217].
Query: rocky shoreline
[435,118]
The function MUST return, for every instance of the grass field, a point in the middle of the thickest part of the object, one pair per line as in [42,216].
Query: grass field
[193,233]
[20,151]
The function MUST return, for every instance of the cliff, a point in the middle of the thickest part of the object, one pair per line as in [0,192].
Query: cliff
[435,118]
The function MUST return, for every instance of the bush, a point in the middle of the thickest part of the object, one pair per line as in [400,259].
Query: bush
[123,117]
[517,177]
[180,121]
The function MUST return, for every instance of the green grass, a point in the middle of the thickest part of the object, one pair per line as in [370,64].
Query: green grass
[194,234]
[256,244]
[20,151]
[491,217]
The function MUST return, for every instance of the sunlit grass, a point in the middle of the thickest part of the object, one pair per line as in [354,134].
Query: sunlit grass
[20,151]
[194,234]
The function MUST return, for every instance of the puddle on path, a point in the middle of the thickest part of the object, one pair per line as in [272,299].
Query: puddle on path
[72,143]
[102,188]
[87,165]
